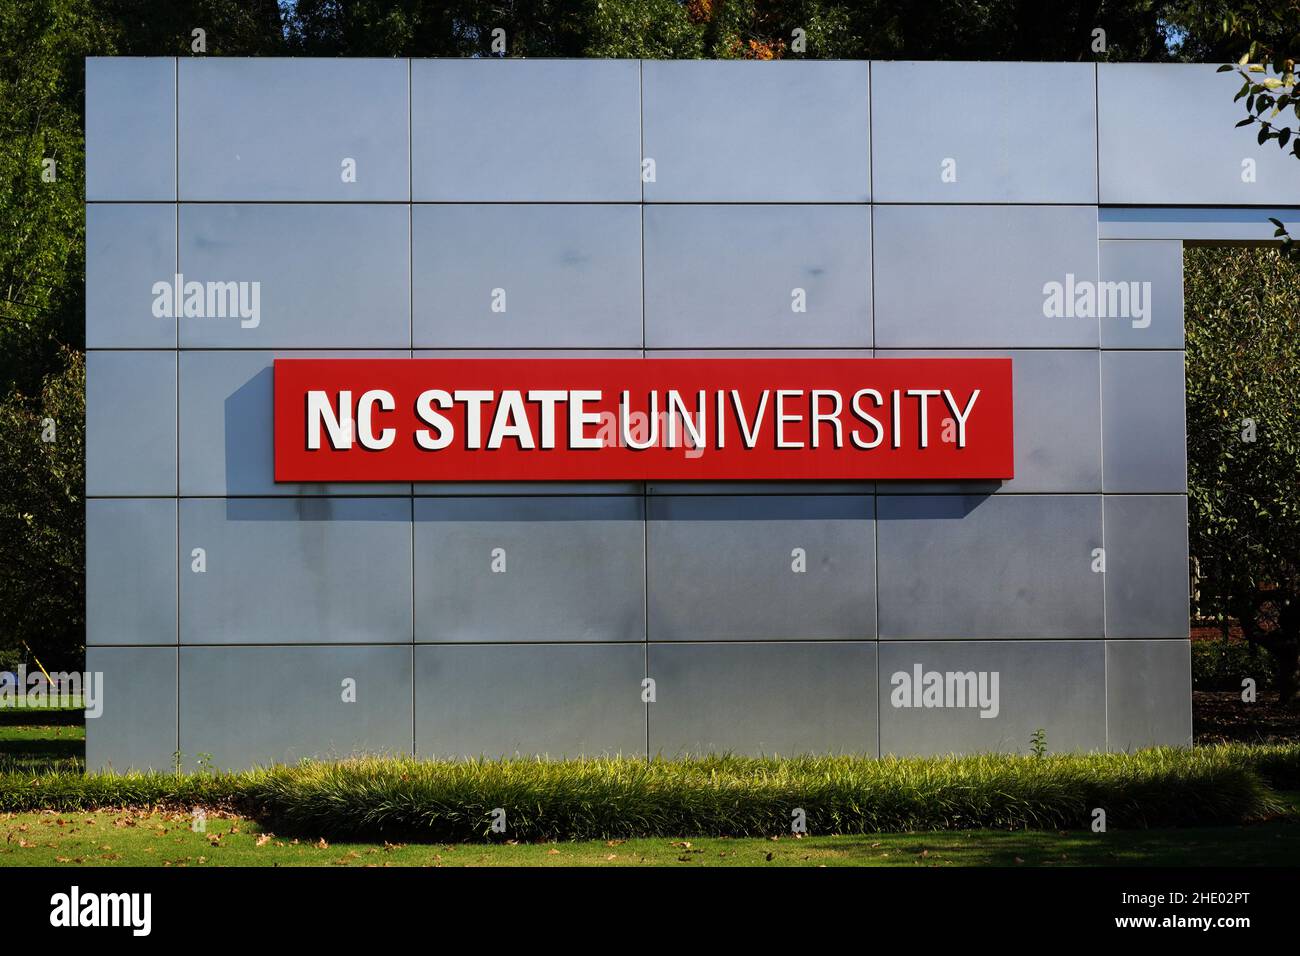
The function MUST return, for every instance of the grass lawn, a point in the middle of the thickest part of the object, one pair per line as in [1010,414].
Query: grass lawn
[152,838]
[38,742]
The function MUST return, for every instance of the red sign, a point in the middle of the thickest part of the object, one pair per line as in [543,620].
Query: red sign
[475,419]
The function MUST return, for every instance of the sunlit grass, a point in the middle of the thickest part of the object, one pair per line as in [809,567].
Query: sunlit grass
[408,799]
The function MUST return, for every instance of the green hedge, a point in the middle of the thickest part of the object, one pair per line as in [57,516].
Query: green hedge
[601,799]
[1278,765]
[1220,665]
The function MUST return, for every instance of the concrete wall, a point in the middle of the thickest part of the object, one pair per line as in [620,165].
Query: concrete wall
[525,175]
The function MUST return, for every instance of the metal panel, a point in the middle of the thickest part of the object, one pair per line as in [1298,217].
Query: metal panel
[520,276]
[1186,152]
[788,131]
[137,729]
[242,706]
[998,566]
[997,262]
[1195,225]
[1148,694]
[999,133]
[1144,422]
[1058,687]
[505,700]
[760,568]
[296,571]
[130,423]
[302,591]
[348,287]
[226,426]
[490,130]
[131,571]
[293,129]
[726,276]
[529,569]
[129,248]
[1150,273]
[130,128]
[1057,422]
[763,699]
[1146,566]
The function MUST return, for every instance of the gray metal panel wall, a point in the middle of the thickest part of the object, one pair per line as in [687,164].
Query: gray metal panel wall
[278,593]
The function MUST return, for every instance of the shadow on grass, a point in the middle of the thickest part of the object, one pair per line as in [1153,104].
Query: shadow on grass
[1276,843]
[49,748]
[41,717]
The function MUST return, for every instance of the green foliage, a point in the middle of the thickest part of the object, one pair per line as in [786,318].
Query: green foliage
[42,240]
[669,29]
[1221,665]
[611,798]
[42,519]
[1243,443]
[1278,765]
[1038,743]
[166,27]
[1220,31]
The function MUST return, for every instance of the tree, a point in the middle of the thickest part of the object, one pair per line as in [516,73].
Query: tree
[41,174]
[42,519]
[166,27]
[1243,445]
[673,29]
[1243,361]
